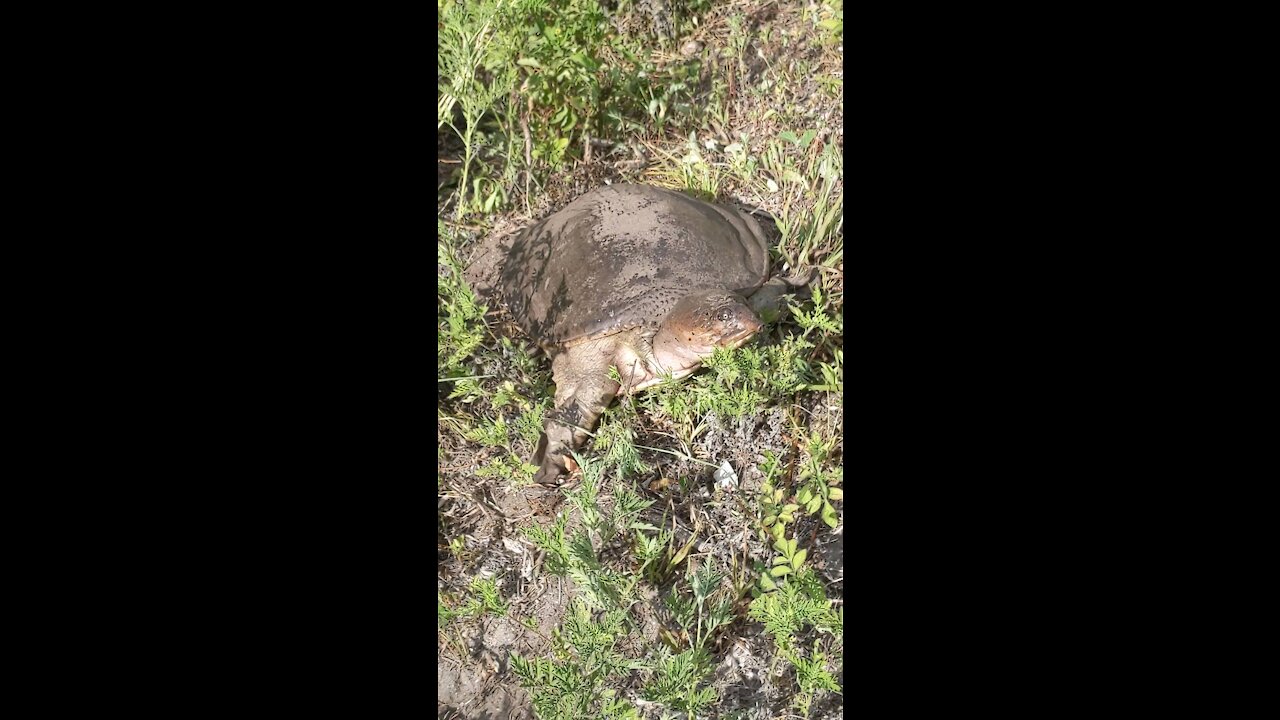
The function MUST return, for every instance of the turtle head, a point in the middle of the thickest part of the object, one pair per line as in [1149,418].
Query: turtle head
[705,320]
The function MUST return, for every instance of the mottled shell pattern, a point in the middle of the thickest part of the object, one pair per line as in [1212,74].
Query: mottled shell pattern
[622,256]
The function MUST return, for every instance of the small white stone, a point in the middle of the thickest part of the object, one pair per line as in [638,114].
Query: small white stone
[726,478]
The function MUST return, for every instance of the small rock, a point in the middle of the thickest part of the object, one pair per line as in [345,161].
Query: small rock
[691,48]
[726,478]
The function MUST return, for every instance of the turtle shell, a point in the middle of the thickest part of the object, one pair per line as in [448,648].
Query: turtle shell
[622,256]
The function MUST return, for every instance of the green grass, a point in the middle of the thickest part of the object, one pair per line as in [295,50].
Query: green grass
[596,646]
[528,89]
[527,85]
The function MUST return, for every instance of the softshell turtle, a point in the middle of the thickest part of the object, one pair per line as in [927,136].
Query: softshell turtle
[636,277]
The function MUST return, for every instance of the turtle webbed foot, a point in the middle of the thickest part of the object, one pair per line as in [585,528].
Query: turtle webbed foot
[551,456]
[548,475]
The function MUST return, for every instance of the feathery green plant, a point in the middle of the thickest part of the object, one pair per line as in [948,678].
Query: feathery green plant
[677,682]
[573,686]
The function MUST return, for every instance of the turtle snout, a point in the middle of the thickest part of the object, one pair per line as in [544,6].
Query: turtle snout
[740,325]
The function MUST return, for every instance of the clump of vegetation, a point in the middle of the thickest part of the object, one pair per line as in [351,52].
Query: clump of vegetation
[575,682]
[799,604]
[678,681]
[461,326]
[573,554]
[527,85]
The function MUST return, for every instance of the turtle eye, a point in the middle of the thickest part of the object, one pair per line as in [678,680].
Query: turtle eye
[723,316]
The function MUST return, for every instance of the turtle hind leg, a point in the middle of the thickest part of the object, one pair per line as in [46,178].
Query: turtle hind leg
[583,391]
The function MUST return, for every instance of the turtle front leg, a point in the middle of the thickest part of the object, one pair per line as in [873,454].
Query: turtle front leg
[767,301]
[583,391]
[644,351]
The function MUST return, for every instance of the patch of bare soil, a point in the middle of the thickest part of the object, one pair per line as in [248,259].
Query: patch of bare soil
[472,674]
[472,662]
